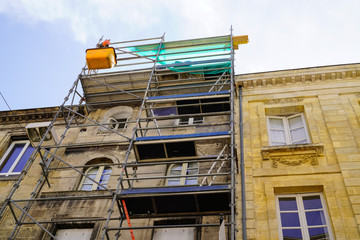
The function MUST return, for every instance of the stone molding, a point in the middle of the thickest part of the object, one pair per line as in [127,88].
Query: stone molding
[292,155]
[304,75]
[284,100]
[34,115]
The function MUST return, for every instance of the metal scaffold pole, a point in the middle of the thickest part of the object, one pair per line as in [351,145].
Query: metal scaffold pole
[232,127]
[120,179]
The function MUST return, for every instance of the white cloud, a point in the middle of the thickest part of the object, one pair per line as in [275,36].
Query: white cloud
[91,18]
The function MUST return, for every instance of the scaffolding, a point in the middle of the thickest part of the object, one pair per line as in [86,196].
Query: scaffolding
[189,84]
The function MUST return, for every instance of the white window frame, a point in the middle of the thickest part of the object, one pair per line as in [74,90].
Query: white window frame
[190,121]
[98,176]
[183,174]
[110,124]
[8,154]
[302,217]
[287,129]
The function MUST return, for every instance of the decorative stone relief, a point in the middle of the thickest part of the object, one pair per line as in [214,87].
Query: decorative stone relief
[293,155]
[284,100]
[295,160]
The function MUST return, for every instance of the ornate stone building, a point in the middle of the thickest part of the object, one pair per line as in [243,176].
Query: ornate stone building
[302,138]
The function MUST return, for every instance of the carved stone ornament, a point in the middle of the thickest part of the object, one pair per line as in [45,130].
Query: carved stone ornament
[295,160]
[284,100]
[292,155]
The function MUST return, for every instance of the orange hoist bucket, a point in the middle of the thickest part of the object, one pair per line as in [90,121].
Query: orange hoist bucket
[100,58]
[243,39]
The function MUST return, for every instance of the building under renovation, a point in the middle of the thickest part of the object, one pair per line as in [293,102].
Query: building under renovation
[162,140]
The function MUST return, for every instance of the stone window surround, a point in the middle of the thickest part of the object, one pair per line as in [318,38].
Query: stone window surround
[120,112]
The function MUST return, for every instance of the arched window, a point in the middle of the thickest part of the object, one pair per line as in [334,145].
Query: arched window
[184,171]
[100,174]
[117,124]
[116,118]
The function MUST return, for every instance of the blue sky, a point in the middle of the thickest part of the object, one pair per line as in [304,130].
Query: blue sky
[43,43]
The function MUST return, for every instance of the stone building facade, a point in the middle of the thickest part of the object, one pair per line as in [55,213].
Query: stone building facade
[319,108]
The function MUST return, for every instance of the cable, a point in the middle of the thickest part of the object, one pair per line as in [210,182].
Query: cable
[10,109]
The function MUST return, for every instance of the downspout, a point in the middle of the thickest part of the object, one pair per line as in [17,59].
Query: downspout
[242,167]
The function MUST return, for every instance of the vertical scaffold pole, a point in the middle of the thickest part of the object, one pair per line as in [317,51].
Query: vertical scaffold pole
[232,144]
[120,179]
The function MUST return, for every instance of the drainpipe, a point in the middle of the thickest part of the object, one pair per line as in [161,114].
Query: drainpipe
[242,167]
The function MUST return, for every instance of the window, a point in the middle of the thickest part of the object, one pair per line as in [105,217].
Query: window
[287,130]
[116,118]
[185,169]
[99,174]
[302,216]
[117,124]
[15,158]
[174,233]
[190,120]
[200,106]
[166,150]
[74,233]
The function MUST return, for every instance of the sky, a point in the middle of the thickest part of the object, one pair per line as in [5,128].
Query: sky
[43,42]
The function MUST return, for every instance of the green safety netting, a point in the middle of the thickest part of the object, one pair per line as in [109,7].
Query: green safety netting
[198,56]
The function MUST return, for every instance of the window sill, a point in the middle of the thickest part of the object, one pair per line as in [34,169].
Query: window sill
[292,155]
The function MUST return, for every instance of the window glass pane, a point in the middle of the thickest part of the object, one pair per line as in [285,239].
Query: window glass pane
[25,157]
[295,122]
[104,178]
[191,181]
[298,134]
[87,180]
[312,202]
[318,233]
[277,137]
[315,218]
[175,170]
[291,234]
[11,157]
[174,181]
[121,123]
[288,203]
[165,111]
[276,123]
[86,187]
[290,219]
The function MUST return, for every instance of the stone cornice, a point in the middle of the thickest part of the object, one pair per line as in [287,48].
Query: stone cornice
[29,115]
[300,76]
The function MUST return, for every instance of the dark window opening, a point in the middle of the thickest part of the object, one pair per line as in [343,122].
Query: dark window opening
[173,150]
[151,151]
[217,107]
[180,149]
[188,109]
[206,105]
